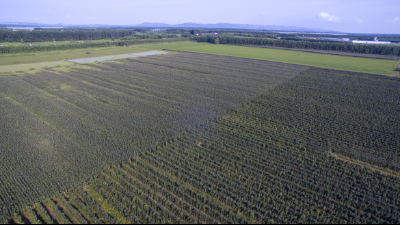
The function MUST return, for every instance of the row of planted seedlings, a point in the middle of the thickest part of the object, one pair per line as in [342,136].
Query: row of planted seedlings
[336,187]
[277,169]
[233,194]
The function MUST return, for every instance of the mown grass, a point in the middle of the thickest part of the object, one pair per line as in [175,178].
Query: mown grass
[107,207]
[365,65]
[33,67]
[11,59]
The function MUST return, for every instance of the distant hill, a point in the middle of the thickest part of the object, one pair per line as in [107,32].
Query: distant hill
[235,26]
[183,25]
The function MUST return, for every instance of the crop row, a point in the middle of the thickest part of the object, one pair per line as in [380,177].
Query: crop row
[61,126]
[256,164]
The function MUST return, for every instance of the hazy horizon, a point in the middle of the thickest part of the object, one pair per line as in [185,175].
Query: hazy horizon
[342,16]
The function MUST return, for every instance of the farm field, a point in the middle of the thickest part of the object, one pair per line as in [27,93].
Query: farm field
[62,125]
[362,55]
[15,59]
[33,67]
[364,65]
[269,160]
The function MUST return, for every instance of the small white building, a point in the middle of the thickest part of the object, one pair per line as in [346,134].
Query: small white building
[375,41]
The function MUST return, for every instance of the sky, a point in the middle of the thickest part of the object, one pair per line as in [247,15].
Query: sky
[351,16]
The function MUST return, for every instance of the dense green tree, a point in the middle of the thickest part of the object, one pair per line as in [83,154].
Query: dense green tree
[186,34]
[319,45]
[57,35]
[141,30]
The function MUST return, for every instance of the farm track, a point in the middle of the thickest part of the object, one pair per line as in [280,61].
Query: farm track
[267,161]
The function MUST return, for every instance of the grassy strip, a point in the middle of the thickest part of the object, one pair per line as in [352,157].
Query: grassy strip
[94,207]
[17,219]
[42,213]
[83,209]
[66,211]
[31,216]
[385,171]
[107,207]
[365,65]
[56,214]
[33,67]
[50,56]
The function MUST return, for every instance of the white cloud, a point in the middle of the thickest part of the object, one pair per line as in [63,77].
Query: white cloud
[359,20]
[67,17]
[395,20]
[263,13]
[327,17]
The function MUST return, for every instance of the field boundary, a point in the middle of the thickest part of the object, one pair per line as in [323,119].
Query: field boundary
[327,52]
[382,170]
[34,67]
[387,75]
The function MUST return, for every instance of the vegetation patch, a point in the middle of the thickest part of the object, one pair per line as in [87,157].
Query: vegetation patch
[365,65]
[61,55]
[67,123]
[33,67]
[266,158]
[385,171]
[115,57]
[107,206]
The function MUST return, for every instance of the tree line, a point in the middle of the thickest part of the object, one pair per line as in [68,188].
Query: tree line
[392,38]
[149,36]
[56,35]
[41,48]
[331,46]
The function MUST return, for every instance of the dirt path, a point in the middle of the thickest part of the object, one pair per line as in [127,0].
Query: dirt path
[372,167]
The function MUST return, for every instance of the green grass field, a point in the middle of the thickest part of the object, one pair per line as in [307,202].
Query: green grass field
[35,66]
[12,59]
[49,42]
[375,66]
